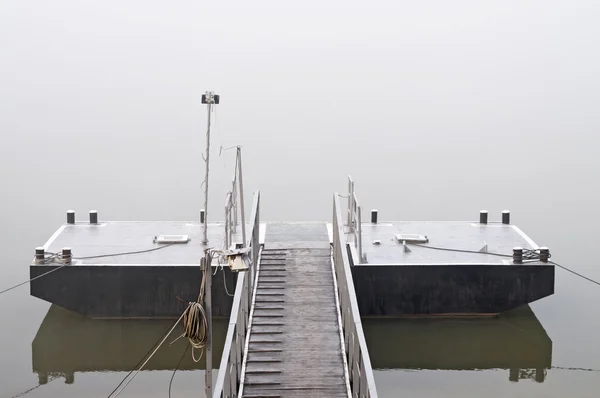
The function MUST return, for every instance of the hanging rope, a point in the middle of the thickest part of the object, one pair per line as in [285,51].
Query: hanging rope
[55,258]
[195,325]
[118,390]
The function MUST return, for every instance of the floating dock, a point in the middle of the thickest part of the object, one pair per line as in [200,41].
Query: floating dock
[450,268]
[295,325]
[457,272]
[294,293]
[104,279]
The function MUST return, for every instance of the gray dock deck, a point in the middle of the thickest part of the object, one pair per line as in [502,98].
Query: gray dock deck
[493,237]
[295,346]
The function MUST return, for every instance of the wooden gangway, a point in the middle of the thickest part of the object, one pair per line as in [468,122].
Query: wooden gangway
[295,330]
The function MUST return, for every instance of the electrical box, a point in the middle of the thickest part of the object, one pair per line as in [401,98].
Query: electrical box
[238,259]
[237,263]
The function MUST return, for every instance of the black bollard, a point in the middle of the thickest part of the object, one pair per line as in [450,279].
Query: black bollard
[518,255]
[483,217]
[40,253]
[66,255]
[544,254]
[506,217]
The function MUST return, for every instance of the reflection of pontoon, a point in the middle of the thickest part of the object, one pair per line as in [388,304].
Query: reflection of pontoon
[515,340]
[67,343]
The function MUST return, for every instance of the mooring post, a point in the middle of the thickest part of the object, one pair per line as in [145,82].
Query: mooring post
[505,217]
[66,255]
[544,254]
[518,255]
[40,253]
[208,311]
[374,216]
[70,216]
[483,217]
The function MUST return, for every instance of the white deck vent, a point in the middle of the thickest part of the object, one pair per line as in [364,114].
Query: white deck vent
[172,239]
[411,238]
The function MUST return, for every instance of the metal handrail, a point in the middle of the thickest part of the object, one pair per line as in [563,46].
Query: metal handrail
[230,369]
[355,218]
[362,381]
[228,219]
[231,209]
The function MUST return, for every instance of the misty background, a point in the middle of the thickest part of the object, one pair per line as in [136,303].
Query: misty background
[437,109]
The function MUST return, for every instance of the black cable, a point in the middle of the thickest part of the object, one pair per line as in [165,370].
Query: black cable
[54,256]
[187,347]
[576,369]
[459,250]
[140,361]
[575,273]
[528,254]
[123,253]
[32,279]
[34,388]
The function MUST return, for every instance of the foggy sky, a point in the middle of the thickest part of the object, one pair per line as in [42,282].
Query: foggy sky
[109,91]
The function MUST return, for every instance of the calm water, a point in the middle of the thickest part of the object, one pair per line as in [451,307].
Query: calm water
[437,110]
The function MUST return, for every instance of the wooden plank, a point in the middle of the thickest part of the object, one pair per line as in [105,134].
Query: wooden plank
[306,331]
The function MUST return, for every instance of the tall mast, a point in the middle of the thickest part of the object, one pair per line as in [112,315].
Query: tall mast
[210,99]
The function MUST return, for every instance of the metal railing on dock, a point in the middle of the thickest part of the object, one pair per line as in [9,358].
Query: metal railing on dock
[355,218]
[362,382]
[230,370]
[231,211]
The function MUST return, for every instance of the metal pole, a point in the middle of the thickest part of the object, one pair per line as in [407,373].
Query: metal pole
[349,202]
[234,202]
[241,188]
[205,226]
[208,311]
[359,230]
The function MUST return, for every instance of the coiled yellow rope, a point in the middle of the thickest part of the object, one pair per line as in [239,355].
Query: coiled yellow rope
[195,326]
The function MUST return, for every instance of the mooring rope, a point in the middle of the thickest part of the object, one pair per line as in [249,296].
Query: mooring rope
[530,255]
[195,324]
[187,347]
[195,327]
[35,387]
[55,259]
[117,391]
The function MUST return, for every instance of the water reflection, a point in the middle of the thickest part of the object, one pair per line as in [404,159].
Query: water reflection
[67,343]
[515,341]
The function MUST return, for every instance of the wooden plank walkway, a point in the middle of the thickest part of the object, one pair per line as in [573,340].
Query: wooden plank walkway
[295,347]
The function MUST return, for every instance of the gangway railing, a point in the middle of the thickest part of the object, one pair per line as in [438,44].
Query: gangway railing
[231,210]
[355,218]
[230,369]
[360,372]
